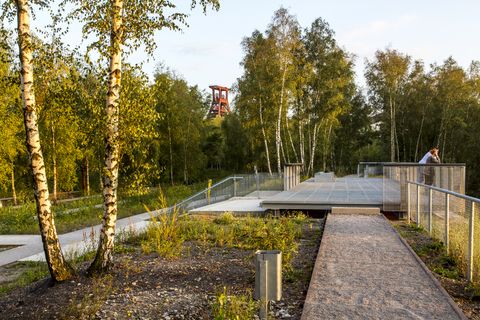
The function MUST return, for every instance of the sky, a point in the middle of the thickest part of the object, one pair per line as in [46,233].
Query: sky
[209,50]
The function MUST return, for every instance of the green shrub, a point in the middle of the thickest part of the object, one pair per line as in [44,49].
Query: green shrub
[224,218]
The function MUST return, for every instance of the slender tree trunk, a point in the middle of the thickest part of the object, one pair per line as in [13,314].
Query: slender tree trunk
[314,146]
[392,131]
[267,153]
[185,147]
[290,138]
[58,267]
[171,153]
[302,144]
[104,257]
[14,193]
[417,147]
[285,150]
[87,177]
[326,145]
[278,136]
[54,160]
[309,145]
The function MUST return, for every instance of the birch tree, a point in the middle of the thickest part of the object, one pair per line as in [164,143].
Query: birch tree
[386,76]
[285,30]
[58,267]
[115,25]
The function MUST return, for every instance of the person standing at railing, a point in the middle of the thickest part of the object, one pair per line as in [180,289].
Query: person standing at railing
[430,170]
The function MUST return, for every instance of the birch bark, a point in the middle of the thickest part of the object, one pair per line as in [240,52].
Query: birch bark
[267,153]
[59,269]
[104,257]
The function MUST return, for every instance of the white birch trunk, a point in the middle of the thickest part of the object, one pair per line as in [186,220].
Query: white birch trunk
[54,160]
[313,148]
[104,257]
[14,192]
[59,269]
[267,153]
[278,137]
[290,138]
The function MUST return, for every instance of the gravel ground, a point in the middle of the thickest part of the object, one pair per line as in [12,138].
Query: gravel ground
[149,287]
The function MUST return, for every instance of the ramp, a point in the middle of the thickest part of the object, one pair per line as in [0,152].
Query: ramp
[364,270]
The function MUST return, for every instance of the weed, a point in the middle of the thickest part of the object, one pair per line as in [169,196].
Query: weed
[163,234]
[232,307]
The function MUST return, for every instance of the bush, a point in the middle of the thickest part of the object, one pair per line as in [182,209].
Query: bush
[224,218]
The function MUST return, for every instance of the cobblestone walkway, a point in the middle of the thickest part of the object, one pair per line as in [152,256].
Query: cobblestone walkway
[364,271]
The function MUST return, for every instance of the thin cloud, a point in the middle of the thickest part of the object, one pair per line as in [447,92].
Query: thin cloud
[379,27]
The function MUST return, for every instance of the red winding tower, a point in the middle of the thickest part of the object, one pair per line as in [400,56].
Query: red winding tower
[220,105]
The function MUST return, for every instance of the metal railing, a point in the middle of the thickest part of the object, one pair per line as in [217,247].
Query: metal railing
[369,169]
[450,217]
[232,186]
[449,176]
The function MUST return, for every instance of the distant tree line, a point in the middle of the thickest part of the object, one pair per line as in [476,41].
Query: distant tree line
[297,101]
[102,124]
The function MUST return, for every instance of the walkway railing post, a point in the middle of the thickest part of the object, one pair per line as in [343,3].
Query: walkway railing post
[234,186]
[430,211]
[418,206]
[447,222]
[408,203]
[470,243]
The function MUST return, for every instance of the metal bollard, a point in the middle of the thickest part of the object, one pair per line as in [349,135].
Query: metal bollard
[268,278]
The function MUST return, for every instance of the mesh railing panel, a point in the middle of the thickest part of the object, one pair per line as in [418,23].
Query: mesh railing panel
[395,177]
[233,186]
[448,219]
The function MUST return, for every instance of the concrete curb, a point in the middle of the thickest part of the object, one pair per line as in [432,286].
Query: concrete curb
[306,303]
[437,283]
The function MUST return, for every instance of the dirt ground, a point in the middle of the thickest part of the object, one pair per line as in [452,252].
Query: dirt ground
[149,287]
[466,297]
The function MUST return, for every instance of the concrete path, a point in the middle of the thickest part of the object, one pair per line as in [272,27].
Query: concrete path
[30,248]
[365,271]
[241,205]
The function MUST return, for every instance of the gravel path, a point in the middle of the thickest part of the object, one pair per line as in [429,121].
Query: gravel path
[365,271]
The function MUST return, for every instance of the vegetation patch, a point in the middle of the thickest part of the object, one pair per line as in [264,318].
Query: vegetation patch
[211,277]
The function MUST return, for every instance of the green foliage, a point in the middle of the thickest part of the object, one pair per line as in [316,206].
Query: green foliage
[233,307]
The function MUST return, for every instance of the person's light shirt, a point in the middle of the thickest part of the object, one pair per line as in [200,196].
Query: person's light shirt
[425,158]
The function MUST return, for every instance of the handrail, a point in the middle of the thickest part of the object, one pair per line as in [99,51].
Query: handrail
[391,164]
[208,188]
[453,193]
